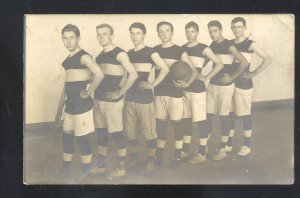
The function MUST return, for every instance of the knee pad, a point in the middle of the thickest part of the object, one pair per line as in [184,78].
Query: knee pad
[102,136]
[84,145]
[187,126]
[161,127]
[203,129]
[247,122]
[119,139]
[68,143]
[177,130]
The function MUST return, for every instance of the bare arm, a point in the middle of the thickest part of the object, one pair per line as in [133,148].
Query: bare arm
[243,62]
[164,69]
[123,58]
[217,62]
[60,106]
[267,59]
[96,73]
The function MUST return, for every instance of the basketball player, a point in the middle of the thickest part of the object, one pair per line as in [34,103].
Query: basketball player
[169,94]
[220,89]
[243,84]
[109,99]
[139,108]
[195,94]
[78,116]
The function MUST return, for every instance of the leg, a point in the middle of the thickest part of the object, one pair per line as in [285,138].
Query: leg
[161,125]
[224,99]
[102,135]
[130,126]
[243,101]
[187,124]
[83,126]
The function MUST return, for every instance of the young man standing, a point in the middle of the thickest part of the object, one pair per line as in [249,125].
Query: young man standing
[195,94]
[220,89]
[139,108]
[109,99]
[78,116]
[243,84]
[168,95]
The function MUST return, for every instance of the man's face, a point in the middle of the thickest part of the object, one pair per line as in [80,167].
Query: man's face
[70,40]
[215,33]
[238,29]
[104,36]
[165,33]
[191,34]
[137,36]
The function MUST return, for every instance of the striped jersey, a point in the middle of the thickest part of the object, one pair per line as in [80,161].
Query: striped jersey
[74,103]
[196,55]
[243,48]
[222,51]
[169,55]
[142,62]
[113,74]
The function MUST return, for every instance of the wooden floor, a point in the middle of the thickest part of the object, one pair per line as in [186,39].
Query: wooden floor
[271,160]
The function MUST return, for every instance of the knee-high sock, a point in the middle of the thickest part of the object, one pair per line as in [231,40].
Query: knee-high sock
[85,150]
[151,146]
[225,130]
[203,134]
[102,137]
[187,126]
[161,127]
[247,122]
[231,128]
[176,125]
[68,149]
[119,140]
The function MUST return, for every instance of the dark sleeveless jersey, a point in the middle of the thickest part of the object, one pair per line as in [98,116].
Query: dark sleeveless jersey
[196,55]
[74,103]
[243,48]
[222,51]
[143,64]
[112,76]
[166,87]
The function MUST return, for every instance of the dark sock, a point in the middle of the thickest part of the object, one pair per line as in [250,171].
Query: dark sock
[187,126]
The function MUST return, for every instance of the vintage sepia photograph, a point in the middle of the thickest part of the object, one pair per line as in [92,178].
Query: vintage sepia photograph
[159,99]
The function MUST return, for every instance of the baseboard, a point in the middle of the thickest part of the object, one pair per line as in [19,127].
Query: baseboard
[273,105]
[256,106]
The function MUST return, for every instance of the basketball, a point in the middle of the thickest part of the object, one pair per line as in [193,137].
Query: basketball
[181,71]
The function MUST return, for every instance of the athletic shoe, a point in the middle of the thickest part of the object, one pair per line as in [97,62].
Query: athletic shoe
[220,154]
[228,149]
[117,173]
[184,155]
[149,166]
[99,170]
[175,162]
[245,150]
[197,159]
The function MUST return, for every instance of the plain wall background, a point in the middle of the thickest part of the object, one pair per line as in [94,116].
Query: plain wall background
[44,51]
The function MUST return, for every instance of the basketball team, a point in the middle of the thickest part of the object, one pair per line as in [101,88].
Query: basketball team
[114,96]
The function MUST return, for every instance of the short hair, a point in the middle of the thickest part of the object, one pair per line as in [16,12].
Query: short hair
[105,25]
[138,25]
[239,19]
[193,25]
[71,28]
[215,23]
[164,23]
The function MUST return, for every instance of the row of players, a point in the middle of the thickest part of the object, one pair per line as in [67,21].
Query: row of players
[123,107]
